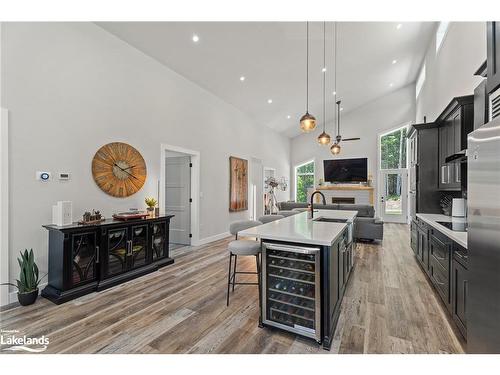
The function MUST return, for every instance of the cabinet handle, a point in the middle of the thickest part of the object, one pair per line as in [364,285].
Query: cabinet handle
[437,281]
[97,256]
[443,168]
[457,172]
[129,242]
[447,174]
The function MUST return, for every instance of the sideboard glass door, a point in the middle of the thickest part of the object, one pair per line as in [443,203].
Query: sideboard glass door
[159,240]
[139,246]
[117,249]
[83,258]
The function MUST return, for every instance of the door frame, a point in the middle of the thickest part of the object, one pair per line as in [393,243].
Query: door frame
[195,187]
[4,206]
[404,194]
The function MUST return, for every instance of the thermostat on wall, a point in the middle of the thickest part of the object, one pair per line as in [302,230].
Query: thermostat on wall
[43,176]
[64,176]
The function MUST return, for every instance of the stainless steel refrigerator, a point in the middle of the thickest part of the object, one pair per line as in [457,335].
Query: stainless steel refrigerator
[483,305]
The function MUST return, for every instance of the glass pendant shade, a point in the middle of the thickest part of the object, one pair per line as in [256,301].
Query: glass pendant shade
[335,149]
[324,139]
[307,123]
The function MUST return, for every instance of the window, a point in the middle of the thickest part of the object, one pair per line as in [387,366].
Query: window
[440,34]
[393,149]
[420,82]
[304,179]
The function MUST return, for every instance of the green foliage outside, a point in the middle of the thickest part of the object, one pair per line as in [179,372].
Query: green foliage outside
[393,150]
[304,181]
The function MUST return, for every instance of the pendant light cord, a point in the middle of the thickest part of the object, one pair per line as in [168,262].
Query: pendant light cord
[324,75]
[335,73]
[307,67]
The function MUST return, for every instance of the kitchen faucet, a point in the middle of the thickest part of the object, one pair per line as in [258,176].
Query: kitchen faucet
[312,203]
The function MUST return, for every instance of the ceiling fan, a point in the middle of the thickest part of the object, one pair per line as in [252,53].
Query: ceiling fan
[339,138]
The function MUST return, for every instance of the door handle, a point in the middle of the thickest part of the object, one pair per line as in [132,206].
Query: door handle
[97,254]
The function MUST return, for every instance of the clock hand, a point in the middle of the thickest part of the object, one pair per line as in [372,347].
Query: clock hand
[130,174]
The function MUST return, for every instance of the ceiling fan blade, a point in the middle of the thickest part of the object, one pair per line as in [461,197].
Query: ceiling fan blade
[351,139]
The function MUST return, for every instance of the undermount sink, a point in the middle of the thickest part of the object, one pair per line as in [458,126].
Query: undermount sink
[330,220]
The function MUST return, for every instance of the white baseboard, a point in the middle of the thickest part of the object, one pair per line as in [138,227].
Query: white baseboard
[216,237]
[13,295]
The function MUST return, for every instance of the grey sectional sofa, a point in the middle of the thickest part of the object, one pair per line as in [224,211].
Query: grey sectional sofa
[366,225]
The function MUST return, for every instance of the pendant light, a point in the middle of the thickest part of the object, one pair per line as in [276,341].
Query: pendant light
[308,121]
[324,138]
[335,149]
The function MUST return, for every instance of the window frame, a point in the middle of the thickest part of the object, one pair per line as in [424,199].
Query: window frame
[393,130]
[296,174]
[441,32]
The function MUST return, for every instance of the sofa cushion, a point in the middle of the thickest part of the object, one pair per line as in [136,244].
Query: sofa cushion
[364,210]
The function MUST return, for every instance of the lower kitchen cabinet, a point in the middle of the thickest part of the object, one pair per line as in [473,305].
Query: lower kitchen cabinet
[88,258]
[445,263]
[459,289]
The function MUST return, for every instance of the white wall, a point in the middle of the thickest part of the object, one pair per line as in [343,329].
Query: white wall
[72,87]
[387,112]
[450,72]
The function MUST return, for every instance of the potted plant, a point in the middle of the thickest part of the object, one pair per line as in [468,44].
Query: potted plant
[151,203]
[27,285]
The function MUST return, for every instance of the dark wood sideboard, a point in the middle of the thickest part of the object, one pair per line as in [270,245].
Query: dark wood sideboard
[89,258]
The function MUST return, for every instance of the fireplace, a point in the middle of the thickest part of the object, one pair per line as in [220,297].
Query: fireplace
[343,200]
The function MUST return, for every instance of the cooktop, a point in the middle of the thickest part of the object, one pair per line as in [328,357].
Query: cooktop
[455,226]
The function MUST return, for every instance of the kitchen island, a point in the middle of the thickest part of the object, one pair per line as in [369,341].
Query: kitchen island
[306,264]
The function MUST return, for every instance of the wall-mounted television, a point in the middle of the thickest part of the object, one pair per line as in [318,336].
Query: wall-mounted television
[346,170]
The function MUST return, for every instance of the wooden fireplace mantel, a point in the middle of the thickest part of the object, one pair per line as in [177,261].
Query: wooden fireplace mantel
[369,190]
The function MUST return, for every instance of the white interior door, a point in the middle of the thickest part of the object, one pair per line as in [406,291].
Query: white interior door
[177,197]
[394,195]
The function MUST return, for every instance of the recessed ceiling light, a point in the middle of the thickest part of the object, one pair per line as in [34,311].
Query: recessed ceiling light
[341,108]
[242,78]
[334,93]
[399,25]
[196,38]
[394,61]
[269,101]
[288,117]
[391,84]
[323,70]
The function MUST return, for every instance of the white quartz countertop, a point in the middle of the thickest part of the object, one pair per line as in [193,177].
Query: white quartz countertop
[299,228]
[432,219]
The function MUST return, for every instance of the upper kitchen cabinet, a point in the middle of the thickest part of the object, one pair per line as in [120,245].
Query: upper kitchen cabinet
[455,122]
[493,56]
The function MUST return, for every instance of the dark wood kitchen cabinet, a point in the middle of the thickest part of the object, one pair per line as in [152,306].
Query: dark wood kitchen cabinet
[455,122]
[459,288]
[88,258]
[493,56]
[440,249]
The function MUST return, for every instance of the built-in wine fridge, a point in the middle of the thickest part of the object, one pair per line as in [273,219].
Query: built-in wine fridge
[291,288]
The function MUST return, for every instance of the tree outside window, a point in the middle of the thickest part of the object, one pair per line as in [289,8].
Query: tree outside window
[393,156]
[304,179]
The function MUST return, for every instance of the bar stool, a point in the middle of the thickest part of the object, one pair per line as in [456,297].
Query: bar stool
[243,248]
[268,218]
[287,213]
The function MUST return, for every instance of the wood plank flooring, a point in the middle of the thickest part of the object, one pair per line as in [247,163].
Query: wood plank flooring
[389,307]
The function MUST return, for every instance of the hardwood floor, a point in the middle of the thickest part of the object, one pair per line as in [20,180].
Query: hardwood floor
[389,307]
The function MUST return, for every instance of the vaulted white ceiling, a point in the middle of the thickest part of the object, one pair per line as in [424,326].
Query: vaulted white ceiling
[272,58]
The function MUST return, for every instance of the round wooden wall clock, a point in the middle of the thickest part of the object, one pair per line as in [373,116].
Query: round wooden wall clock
[119,169]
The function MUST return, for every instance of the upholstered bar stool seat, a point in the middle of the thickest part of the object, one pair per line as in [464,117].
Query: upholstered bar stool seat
[244,247]
[269,218]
